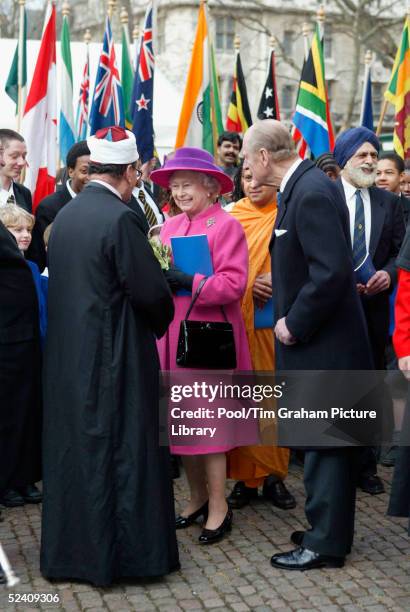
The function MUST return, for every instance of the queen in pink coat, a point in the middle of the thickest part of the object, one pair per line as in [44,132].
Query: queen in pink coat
[196,183]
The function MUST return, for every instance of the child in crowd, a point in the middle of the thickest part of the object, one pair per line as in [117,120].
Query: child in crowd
[20,223]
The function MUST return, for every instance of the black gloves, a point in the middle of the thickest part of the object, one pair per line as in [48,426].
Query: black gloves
[178,280]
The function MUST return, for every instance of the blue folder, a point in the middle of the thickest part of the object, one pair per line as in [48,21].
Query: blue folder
[192,256]
[263,317]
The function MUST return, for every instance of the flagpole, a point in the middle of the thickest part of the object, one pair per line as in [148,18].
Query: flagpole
[22,4]
[305,32]
[211,83]
[112,5]
[124,22]
[367,64]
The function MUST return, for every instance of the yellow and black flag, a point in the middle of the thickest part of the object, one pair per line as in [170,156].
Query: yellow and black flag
[239,115]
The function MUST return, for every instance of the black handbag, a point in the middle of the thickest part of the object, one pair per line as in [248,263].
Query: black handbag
[206,344]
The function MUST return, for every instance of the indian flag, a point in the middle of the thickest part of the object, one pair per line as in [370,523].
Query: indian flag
[200,120]
[398,93]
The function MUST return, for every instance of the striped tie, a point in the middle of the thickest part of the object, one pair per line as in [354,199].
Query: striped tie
[359,234]
[149,213]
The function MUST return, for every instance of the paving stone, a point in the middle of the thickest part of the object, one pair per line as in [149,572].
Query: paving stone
[235,574]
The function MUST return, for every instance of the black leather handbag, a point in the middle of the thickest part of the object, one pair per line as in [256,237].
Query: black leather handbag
[206,344]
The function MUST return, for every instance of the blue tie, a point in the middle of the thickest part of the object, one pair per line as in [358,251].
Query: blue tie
[278,198]
[359,234]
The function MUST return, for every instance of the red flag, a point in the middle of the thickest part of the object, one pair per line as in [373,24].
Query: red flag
[39,125]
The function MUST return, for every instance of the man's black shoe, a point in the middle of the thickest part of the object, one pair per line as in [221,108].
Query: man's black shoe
[11,499]
[241,495]
[371,484]
[31,494]
[275,491]
[303,559]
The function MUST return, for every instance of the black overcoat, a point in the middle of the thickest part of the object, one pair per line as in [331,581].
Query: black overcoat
[20,369]
[108,504]
[312,278]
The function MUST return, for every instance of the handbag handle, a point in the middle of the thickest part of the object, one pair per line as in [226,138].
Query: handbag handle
[194,299]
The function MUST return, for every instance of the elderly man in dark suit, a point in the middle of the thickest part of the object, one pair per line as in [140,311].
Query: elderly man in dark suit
[319,324]
[376,228]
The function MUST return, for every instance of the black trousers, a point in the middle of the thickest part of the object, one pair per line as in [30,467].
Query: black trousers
[330,483]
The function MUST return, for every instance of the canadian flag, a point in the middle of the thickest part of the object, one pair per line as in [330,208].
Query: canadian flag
[39,125]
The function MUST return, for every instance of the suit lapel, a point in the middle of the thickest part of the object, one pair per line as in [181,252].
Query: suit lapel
[301,169]
[377,219]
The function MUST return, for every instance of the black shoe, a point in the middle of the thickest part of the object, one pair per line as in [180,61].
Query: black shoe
[210,536]
[31,494]
[241,495]
[297,537]
[371,484]
[389,459]
[303,559]
[11,499]
[276,492]
[185,521]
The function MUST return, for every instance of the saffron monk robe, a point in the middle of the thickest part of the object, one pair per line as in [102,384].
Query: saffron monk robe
[267,465]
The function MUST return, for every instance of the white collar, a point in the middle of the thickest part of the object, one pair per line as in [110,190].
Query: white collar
[108,186]
[70,189]
[350,190]
[289,173]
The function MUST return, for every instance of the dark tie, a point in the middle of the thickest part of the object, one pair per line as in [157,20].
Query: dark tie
[11,199]
[359,234]
[278,198]
[149,213]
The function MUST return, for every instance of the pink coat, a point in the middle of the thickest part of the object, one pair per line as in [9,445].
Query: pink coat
[229,253]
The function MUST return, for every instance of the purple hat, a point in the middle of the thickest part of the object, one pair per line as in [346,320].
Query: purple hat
[195,160]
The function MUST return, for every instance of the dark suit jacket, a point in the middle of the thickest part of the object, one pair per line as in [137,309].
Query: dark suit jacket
[46,212]
[386,235]
[405,204]
[312,277]
[23,196]
[20,363]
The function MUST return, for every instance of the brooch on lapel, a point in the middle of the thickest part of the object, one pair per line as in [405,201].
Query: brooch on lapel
[211,221]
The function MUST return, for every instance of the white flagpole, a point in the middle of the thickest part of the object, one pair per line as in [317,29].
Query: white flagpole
[367,64]
[11,577]
[20,93]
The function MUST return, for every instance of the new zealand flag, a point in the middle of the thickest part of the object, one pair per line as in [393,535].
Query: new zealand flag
[107,108]
[143,92]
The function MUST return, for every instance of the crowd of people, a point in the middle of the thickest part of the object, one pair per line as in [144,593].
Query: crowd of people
[89,317]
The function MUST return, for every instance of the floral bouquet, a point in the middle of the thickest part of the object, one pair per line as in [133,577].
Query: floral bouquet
[161,251]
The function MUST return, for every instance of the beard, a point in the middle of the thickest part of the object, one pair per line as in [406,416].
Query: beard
[358,177]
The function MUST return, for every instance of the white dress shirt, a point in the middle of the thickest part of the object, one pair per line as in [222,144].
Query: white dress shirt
[70,189]
[6,193]
[108,186]
[350,195]
[289,173]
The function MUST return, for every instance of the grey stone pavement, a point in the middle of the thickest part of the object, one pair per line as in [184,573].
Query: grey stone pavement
[234,574]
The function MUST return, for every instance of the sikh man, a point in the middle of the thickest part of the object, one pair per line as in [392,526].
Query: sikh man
[377,229]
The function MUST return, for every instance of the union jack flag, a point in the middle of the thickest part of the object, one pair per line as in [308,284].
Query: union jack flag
[82,109]
[107,106]
[143,93]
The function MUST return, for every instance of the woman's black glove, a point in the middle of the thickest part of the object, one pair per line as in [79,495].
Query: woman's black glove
[178,280]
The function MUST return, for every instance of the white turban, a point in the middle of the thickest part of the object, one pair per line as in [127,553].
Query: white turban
[113,145]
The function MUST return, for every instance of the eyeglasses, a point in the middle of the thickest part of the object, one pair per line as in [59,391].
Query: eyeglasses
[137,170]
